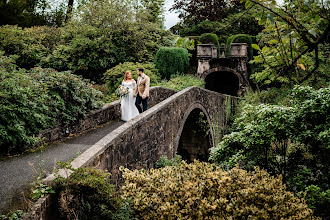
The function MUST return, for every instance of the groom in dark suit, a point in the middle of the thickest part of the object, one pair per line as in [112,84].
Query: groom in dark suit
[141,91]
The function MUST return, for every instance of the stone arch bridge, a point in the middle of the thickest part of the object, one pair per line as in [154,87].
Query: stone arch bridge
[165,129]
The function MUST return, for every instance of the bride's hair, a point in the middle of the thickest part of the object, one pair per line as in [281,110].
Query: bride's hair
[126,75]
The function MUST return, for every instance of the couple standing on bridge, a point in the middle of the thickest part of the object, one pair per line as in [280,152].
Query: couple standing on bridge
[137,93]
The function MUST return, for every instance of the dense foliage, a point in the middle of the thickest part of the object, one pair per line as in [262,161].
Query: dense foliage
[292,140]
[203,191]
[237,21]
[171,60]
[88,194]
[38,99]
[29,13]
[289,46]
[99,36]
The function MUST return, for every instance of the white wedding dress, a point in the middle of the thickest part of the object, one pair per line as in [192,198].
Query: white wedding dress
[128,108]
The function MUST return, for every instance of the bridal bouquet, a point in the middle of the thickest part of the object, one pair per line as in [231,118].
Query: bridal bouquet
[122,91]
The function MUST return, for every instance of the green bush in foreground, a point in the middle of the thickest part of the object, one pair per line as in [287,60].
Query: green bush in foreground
[88,194]
[203,191]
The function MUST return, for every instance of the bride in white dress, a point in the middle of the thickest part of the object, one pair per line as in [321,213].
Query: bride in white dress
[128,108]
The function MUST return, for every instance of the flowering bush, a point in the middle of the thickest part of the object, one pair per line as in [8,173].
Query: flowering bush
[204,191]
[122,91]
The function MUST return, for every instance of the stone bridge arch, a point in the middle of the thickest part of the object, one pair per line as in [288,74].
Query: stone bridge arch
[199,145]
[224,80]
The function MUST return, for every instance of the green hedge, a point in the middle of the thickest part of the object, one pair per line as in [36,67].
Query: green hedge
[172,60]
[38,99]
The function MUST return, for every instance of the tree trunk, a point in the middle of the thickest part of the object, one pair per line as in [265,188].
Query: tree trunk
[69,10]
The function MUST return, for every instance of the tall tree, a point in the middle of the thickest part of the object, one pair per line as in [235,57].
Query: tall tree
[69,10]
[200,10]
[155,8]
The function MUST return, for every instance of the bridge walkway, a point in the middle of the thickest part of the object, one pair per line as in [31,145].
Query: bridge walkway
[17,173]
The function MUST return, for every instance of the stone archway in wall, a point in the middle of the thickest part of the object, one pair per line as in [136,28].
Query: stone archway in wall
[223,80]
[195,136]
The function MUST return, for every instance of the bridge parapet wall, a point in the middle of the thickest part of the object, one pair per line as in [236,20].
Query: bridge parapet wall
[109,112]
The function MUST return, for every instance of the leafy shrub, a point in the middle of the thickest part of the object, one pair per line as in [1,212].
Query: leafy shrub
[318,199]
[87,52]
[72,97]
[180,82]
[38,99]
[30,44]
[40,191]
[24,110]
[13,215]
[203,191]
[114,76]
[172,60]
[88,194]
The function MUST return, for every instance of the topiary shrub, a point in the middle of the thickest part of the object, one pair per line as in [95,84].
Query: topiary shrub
[203,191]
[209,38]
[172,60]
[240,38]
[114,76]
[88,194]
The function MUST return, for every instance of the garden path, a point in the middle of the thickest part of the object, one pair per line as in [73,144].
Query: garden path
[17,173]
